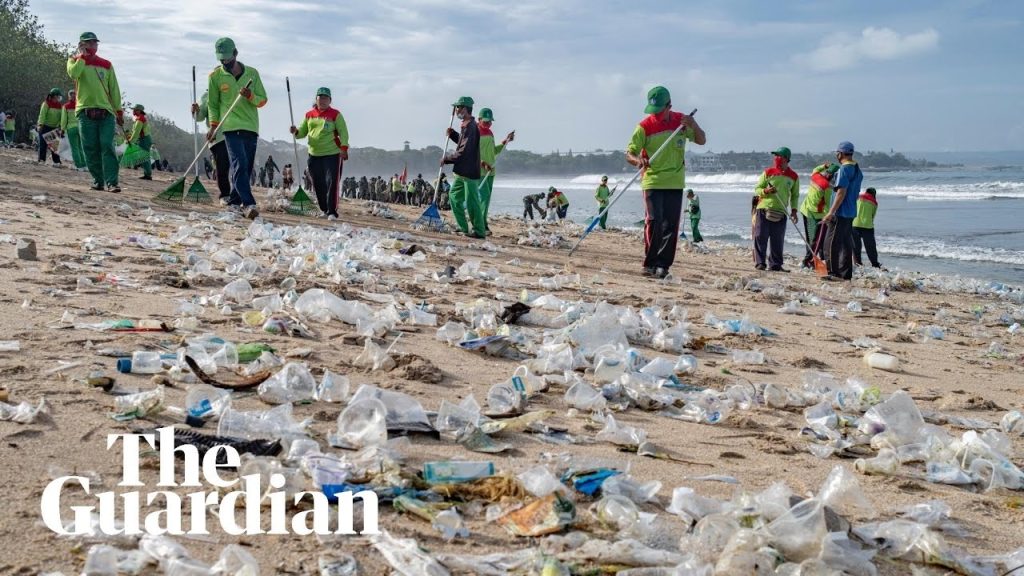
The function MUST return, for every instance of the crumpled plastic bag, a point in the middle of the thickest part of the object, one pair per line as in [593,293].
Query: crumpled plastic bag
[23,413]
[406,557]
[293,383]
[621,435]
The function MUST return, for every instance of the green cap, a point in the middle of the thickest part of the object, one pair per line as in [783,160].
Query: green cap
[139,108]
[463,101]
[657,98]
[56,92]
[604,178]
[86,36]
[832,169]
[323,91]
[224,48]
[551,188]
[783,151]
[689,190]
[486,115]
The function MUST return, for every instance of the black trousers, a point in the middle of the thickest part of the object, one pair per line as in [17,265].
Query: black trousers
[222,165]
[839,247]
[661,227]
[769,240]
[325,171]
[865,236]
[43,147]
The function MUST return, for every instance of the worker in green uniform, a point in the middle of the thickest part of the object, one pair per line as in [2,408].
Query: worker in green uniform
[49,120]
[69,127]
[98,108]
[10,125]
[602,194]
[864,228]
[465,161]
[328,150]
[488,153]
[815,205]
[142,135]
[693,209]
[777,192]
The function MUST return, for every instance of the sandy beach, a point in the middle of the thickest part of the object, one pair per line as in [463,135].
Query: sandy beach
[86,234]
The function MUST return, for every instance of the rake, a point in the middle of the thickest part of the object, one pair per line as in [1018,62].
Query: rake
[176,191]
[431,217]
[301,204]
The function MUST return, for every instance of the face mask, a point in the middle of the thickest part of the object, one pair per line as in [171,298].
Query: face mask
[90,51]
[778,162]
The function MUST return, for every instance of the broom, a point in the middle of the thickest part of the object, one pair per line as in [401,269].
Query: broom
[820,268]
[593,223]
[196,192]
[176,191]
[301,204]
[431,217]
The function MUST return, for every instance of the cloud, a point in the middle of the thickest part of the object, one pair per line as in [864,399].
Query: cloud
[846,51]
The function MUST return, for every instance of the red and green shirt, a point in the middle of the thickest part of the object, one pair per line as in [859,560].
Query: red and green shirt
[787,190]
[95,84]
[867,207]
[668,170]
[68,119]
[49,113]
[223,88]
[819,194]
[488,149]
[140,128]
[327,131]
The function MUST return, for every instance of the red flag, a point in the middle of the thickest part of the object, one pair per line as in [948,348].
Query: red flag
[405,174]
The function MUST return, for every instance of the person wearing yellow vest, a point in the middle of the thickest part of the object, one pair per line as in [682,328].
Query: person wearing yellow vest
[488,153]
[49,120]
[219,150]
[815,205]
[142,135]
[664,177]
[98,108]
[864,228]
[9,127]
[69,127]
[777,190]
[241,128]
[328,150]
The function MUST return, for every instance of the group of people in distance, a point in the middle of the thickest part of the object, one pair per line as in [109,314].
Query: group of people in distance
[838,217]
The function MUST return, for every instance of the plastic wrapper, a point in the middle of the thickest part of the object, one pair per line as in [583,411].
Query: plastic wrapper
[621,435]
[23,412]
[403,411]
[292,383]
[546,515]
[842,493]
[333,387]
[362,423]
[373,357]
[539,481]
[405,556]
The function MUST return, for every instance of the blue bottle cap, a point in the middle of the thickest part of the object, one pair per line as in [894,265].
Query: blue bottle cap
[124,365]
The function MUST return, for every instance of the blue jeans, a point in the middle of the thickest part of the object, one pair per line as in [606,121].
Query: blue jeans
[241,146]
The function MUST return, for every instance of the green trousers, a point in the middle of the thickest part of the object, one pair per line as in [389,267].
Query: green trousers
[486,185]
[604,217]
[98,144]
[695,228]
[146,143]
[465,195]
[75,141]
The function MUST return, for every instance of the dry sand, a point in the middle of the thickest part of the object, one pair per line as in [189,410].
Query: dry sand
[758,447]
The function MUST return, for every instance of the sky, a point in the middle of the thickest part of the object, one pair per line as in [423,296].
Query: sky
[937,75]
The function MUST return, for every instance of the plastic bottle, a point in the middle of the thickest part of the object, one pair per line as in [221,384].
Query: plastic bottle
[882,361]
[456,471]
[141,362]
[205,401]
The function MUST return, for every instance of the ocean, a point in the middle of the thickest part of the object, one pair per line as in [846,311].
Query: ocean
[967,222]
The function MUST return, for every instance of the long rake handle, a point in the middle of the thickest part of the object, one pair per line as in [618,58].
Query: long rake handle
[622,192]
[437,182]
[195,125]
[291,116]
[216,130]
